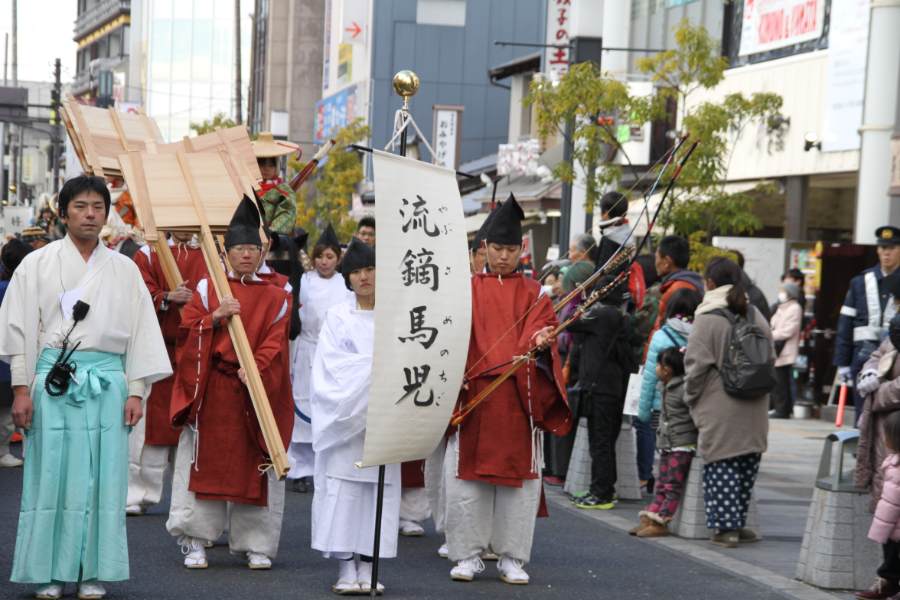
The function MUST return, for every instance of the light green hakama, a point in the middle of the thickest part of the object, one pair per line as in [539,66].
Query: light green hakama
[72,518]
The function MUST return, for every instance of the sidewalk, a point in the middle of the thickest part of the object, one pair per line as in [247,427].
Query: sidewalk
[783,491]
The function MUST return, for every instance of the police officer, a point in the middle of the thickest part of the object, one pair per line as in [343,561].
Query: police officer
[867,310]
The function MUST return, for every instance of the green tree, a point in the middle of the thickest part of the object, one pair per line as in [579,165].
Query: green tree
[334,186]
[700,201]
[219,121]
[583,97]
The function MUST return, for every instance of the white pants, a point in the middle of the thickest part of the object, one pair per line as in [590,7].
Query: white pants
[147,468]
[480,515]
[434,486]
[302,459]
[414,505]
[250,528]
[6,422]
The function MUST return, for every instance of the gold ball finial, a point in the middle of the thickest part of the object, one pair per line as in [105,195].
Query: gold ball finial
[406,84]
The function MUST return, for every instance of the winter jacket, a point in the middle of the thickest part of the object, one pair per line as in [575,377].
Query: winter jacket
[599,367]
[756,296]
[786,324]
[728,426]
[651,395]
[886,521]
[671,283]
[676,427]
[871,450]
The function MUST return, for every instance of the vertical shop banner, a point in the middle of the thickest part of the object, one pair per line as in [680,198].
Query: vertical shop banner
[423,309]
[559,23]
[770,24]
[445,138]
[845,74]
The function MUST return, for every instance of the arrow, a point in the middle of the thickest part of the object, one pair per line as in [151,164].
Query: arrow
[355,29]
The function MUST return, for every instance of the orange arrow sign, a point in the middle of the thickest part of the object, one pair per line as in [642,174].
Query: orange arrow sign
[355,29]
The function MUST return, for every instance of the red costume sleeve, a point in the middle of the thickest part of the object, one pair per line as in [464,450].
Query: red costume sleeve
[192,369]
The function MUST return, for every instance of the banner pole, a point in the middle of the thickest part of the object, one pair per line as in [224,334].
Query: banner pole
[406,84]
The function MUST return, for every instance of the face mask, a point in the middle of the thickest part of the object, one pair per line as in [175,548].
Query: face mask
[894,331]
[782,297]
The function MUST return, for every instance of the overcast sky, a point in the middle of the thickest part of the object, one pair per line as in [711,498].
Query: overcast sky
[45,33]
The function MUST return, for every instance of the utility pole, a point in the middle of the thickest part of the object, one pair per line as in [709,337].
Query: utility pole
[3,179]
[14,132]
[238,117]
[55,102]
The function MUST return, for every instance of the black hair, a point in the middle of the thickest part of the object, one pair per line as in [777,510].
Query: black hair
[795,273]
[684,303]
[723,271]
[614,204]
[11,255]
[81,185]
[677,248]
[648,264]
[267,160]
[891,430]
[615,296]
[367,221]
[738,257]
[673,358]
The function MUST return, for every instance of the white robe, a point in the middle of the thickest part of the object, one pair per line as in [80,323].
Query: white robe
[36,313]
[343,512]
[317,295]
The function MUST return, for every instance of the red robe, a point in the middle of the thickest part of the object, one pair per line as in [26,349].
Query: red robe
[282,367]
[159,431]
[209,396]
[496,441]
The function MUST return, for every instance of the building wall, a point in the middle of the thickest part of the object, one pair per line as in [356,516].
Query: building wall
[452,64]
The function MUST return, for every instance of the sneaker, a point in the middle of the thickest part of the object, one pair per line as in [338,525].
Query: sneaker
[444,551]
[208,544]
[511,571]
[575,496]
[51,591]
[554,481]
[91,590]
[346,584]
[256,560]
[747,536]
[466,569]
[194,552]
[411,529]
[364,579]
[727,539]
[593,502]
[881,589]
[10,461]
[134,510]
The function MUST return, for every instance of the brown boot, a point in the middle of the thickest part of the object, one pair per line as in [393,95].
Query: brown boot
[653,530]
[881,589]
[645,522]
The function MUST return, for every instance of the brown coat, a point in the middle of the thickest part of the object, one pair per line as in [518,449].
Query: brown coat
[728,426]
[872,451]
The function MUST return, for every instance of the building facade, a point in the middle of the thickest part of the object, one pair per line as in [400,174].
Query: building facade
[103,34]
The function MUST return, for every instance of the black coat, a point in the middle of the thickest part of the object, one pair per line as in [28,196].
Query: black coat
[600,370]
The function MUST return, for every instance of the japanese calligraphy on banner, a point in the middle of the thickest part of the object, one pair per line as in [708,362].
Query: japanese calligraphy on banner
[559,22]
[423,309]
[769,24]
[445,140]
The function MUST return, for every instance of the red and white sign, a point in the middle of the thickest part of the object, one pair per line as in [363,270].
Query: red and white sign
[559,27]
[354,21]
[770,24]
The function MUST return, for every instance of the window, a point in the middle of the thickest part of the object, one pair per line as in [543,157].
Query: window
[441,12]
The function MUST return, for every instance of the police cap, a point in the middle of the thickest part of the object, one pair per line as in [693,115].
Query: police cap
[888,236]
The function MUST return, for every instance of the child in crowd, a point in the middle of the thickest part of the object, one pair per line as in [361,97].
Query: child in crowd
[885,527]
[676,440]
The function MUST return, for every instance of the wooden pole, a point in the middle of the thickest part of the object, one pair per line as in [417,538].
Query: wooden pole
[238,334]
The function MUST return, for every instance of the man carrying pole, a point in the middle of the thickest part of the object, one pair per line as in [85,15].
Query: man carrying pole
[222,479]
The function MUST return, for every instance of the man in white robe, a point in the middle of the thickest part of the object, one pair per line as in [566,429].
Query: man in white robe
[343,512]
[72,517]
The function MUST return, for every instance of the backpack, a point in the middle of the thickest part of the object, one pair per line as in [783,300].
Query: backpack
[628,346]
[748,368]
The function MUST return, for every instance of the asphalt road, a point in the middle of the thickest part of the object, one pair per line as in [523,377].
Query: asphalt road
[574,558]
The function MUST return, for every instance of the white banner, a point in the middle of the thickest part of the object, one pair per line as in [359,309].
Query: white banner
[423,309]
[769,24]
[845,74]
[559,25]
